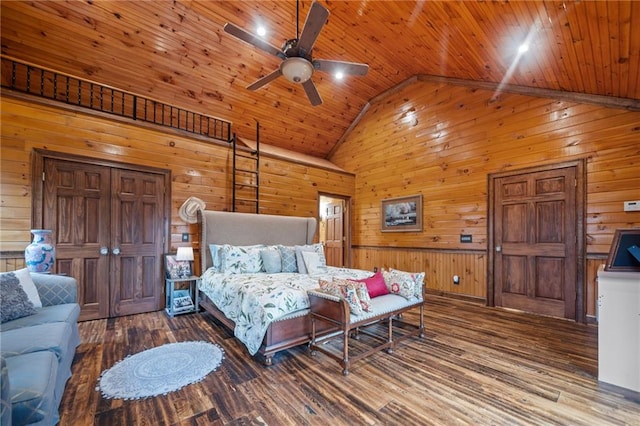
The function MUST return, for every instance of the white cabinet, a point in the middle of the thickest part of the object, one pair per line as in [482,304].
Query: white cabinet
[619,328]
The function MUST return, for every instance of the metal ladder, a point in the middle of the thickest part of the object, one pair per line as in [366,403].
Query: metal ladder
[246,176]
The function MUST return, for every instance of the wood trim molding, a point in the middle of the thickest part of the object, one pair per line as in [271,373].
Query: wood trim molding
[583,98]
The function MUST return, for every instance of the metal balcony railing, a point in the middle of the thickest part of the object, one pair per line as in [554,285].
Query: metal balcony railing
[49,84]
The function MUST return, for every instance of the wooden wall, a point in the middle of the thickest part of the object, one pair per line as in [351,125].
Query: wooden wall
[442,141]
[198,168]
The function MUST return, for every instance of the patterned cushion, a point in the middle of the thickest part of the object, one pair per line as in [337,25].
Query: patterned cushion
[346,291]
[271,260]
[14,302]
[288,256]
[318,248]
[313,264]
[405,284]
[241,259]
[418,280]
[28,286]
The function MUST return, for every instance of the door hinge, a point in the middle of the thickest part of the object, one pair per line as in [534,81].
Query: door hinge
[43,176]
[575,183]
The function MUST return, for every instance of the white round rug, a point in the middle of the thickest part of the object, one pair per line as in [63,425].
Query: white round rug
[160,370]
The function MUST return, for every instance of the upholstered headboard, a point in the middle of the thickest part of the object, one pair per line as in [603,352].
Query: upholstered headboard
[243,229]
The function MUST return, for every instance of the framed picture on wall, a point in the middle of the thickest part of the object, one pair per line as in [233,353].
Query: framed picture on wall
[402,214]
[624,254]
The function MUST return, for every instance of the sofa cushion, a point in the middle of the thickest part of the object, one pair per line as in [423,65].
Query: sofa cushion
[32,380]
[55,337]
[14,302]
[28,286]
[68,312]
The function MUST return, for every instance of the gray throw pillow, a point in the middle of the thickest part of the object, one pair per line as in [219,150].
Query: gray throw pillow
[14,302]
[271,260]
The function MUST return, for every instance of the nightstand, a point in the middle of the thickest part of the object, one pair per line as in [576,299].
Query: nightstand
[182,300]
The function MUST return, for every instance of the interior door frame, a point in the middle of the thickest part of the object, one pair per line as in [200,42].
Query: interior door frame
[580,210]
[346,223]
[37,184]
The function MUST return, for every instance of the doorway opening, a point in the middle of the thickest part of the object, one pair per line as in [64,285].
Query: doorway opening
[334,229]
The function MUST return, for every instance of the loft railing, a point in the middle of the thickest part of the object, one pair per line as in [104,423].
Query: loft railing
[49,84]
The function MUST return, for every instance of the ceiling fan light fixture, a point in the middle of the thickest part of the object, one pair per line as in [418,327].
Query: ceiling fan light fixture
[296,70]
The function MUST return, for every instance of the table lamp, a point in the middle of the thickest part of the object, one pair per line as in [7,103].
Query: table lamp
[185,254]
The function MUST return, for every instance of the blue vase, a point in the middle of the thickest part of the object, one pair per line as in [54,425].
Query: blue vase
[40,255]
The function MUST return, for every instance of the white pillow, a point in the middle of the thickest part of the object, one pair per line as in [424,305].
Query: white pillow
[317,248]
[29,287]
[313,263]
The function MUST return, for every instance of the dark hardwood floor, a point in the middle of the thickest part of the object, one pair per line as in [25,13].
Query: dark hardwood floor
[476,365]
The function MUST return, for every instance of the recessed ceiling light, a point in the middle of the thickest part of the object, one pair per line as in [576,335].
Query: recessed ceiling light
[339,75]
[523,48]
[261,31]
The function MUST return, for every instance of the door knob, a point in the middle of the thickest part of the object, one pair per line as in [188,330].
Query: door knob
[116,251]
[104,251]
[498,249]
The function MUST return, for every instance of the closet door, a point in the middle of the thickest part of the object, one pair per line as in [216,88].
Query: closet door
[137,233]
[109,227]
[76,207]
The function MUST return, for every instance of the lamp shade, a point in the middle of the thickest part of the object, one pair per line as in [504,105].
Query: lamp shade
[296,70]
[184,254]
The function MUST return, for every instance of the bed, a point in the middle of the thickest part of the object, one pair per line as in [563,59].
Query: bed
[280,319]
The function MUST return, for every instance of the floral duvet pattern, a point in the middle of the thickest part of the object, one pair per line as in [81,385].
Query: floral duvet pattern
[255,300]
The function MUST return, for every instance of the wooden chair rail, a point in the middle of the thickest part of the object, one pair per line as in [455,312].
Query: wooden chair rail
[330,310]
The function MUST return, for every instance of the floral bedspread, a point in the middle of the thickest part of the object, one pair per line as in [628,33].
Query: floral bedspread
[255,300]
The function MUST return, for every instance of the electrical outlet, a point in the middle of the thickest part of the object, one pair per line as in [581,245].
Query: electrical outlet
[456,279]
[185,237]
[631,206]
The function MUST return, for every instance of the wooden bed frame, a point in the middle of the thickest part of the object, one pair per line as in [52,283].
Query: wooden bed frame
[248,229]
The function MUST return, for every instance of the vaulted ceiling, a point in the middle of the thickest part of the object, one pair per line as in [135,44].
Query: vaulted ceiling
[177,52]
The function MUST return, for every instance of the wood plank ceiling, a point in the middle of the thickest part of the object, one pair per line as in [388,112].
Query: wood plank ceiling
[176,52]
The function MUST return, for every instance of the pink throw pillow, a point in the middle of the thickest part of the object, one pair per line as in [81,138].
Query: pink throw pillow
[375,285]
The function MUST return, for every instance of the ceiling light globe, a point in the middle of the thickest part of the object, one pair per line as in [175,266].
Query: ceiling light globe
[296,70]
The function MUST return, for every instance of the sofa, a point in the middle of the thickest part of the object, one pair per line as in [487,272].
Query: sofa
[38,340]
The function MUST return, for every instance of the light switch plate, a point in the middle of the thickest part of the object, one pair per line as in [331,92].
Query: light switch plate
[632,206]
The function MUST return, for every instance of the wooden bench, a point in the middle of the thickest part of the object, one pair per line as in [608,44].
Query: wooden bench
[334,310]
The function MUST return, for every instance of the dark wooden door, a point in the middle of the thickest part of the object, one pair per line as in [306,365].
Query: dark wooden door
[76,208]
[136,241]
[334,243]
[108,226]
[535,242]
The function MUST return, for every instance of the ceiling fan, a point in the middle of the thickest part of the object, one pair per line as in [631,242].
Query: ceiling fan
[297,63]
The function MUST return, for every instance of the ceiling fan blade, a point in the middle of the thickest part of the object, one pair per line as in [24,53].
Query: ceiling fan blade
[264,80]
[316,19]
[351,68]
[256,41]
[312,92]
